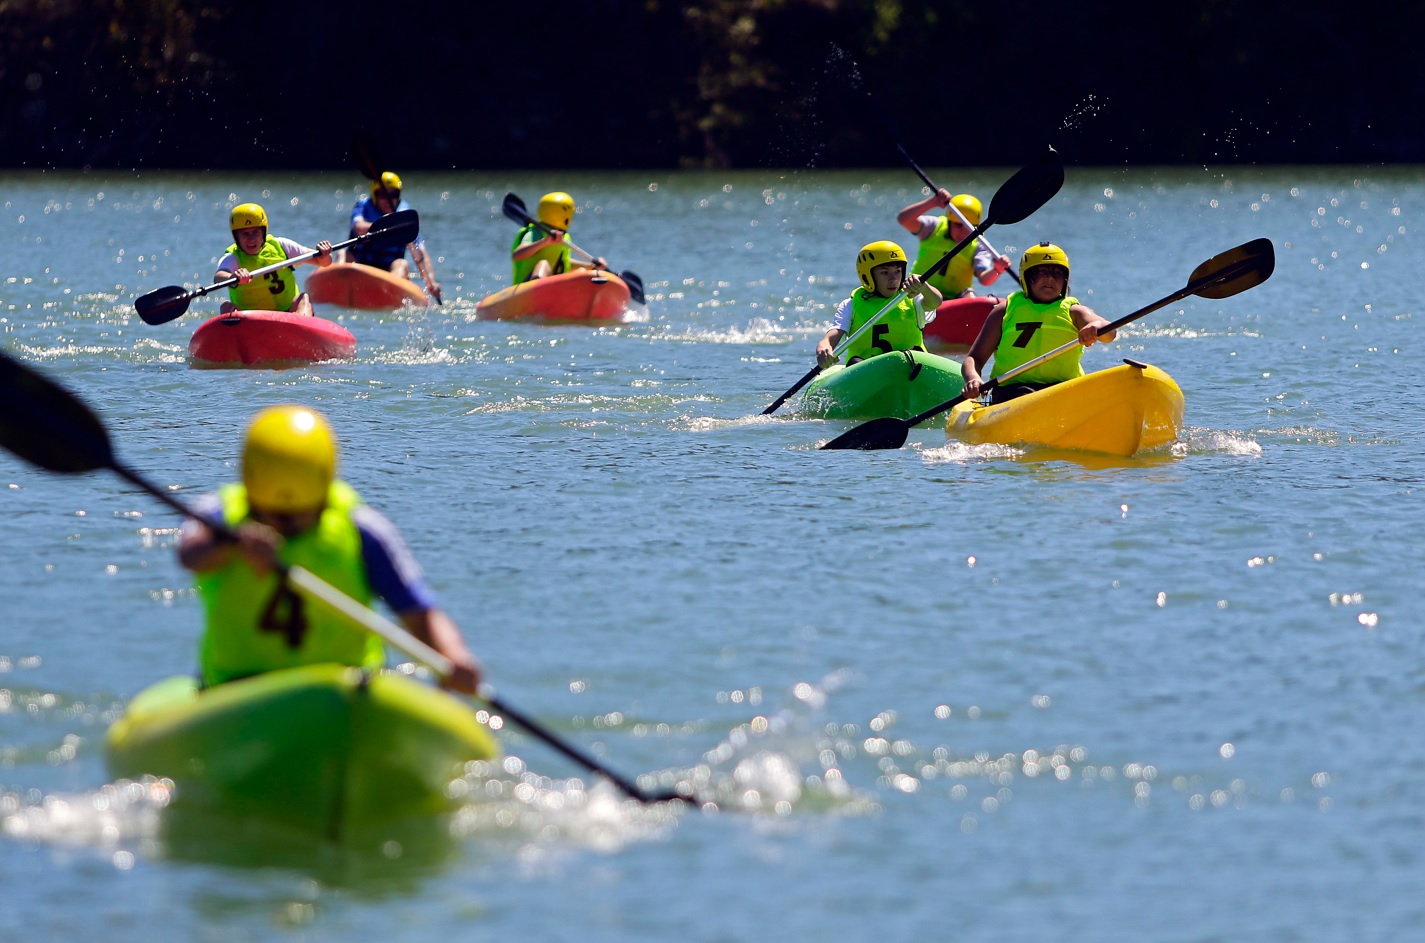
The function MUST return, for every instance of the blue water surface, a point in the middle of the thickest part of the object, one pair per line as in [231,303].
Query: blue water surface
[939,692]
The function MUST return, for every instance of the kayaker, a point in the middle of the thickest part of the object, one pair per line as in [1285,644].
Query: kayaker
[882,268]
[1033,322]
[939,234]
[537,254]
[385,199]
[253,249]
[291,506]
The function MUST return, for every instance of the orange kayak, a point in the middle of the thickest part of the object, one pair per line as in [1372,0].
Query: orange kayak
[580,296]
[958,321]
[268,339]
[354,285]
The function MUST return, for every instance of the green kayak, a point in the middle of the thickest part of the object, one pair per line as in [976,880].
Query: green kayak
[899,384]
[324,749]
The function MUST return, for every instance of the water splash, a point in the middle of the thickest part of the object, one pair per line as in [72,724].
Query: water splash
[1090,107]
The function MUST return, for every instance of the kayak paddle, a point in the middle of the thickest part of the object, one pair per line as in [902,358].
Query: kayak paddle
[167,304]
[1019,196]
[1221,276]
[49,427]
[514,208]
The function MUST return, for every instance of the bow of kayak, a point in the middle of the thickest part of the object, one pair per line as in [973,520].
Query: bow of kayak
[268,339]
[322,749]
[355,285]
[1119,411]
[898,384]
[583,296]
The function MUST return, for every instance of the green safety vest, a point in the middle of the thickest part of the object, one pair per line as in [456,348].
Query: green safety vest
[558,255]
[1031,330]
[960,271]
[897,329]
[274,291]
[235,645]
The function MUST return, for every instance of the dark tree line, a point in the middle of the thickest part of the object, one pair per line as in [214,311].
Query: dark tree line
[741,83]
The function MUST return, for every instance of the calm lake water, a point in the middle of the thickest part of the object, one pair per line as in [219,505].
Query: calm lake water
[941,692]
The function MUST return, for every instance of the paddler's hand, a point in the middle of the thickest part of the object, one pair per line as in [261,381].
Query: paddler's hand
[258,544]
[243,276]
[555,237]
[464,676]
[913,285]
[972,386]
[600,264]
[1001,264]
[1088,334]
[324,253]
[942,196]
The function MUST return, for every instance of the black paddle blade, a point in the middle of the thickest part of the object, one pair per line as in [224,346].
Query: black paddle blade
[46,425]
[885,433]
[1034,185]
[514,209]
[364,152]
[635,286]
[163,304]
[401,226]
[1235,270]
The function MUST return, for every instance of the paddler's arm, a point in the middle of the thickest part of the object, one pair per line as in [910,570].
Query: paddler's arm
[982,350]
[202,551]
[394,574]
[526,249]
[440,632]
[1088,322]
[826,347]
[426,267]
[323,251]
[909,218]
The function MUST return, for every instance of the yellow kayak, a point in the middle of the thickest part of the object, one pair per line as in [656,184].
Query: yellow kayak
[1119,411]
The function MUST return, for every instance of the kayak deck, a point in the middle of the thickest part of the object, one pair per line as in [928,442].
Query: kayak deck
[898,384]
[322,749]
[1119,411]
[578,297]
[365,287]
[271,339]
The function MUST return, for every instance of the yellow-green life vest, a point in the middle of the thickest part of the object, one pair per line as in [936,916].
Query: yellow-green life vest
[235,645]
[274,291]
[558,255]
[897,329]
[960,271]
[1031,330]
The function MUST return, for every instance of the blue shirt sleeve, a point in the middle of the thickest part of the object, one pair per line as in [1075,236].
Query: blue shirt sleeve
[391,568]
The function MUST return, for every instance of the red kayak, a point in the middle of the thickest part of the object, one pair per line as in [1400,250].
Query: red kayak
[268,339]
[581,296]
[354,285]
[958,321]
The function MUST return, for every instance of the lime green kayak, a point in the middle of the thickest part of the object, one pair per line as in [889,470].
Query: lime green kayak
[323,749]
[898,384]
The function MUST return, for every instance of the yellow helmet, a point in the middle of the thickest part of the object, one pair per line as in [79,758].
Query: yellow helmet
[556,210]
[247,215]
[1046,253]
[969,208]
[389,181]
[874,254]
[288,460]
